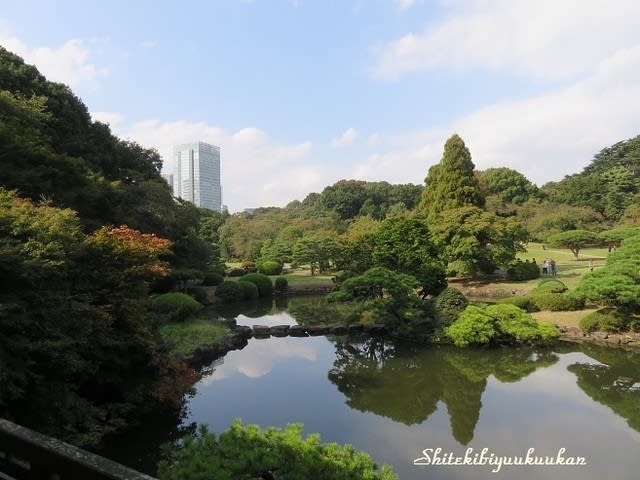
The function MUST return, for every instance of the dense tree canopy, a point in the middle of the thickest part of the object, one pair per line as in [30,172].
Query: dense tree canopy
[451,183]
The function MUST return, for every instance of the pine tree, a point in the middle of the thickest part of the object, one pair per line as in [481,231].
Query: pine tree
[451,183]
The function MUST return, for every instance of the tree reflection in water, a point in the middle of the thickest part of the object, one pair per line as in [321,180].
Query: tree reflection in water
[405,382]
[614,383]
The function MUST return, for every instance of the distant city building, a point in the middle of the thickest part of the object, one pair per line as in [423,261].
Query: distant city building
[196,174]
[168,177]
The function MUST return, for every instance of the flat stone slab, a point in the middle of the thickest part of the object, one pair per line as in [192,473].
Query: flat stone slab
[280,330]
[298,331]
[261,331]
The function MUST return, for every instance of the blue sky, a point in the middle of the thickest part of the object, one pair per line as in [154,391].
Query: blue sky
[299,94]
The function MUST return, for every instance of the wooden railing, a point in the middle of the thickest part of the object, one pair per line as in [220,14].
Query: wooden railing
[29,455]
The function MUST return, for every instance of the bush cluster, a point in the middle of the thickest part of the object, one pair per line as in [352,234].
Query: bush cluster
[520,301]
[557,302]
[199,293]
[497,324]
[260,280]
[248,290]
[246,451]
[520,270]
[609,320]
[236,272]
[448,305]
[177,306]
[212,279]
[281,285]
[270,267]
[550,285]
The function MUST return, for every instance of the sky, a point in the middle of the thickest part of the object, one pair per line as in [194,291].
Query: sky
[299,94]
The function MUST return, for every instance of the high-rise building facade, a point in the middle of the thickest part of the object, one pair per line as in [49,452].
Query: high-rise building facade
[196,174]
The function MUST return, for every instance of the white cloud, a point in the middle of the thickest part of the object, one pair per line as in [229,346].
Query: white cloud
[110,118]
[404,4]
[69,63]
[372,140]
[544,137]
[346,139]
[540,38]
[256,169]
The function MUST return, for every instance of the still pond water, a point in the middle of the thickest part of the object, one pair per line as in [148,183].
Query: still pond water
[394,400]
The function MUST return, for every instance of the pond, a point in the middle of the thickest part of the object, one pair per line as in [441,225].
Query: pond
[395,400]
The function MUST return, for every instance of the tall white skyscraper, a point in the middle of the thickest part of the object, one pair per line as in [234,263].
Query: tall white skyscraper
[196,174]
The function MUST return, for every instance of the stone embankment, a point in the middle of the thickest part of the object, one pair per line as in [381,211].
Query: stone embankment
[574,334]
[238,337]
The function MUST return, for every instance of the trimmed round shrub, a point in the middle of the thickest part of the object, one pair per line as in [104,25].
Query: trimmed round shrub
[212,279]
[178,306]
[228,292]
[248,290]
[523,271]
[199,293]
[449,304]
[270,267]
[281,285]
[557,302]
[473,327]
[550,285]
[520,301]
[236,272]
[265,287]
[607,319]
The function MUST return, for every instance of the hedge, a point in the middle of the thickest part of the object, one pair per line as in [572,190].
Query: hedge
[557,302]
[281,285]
[178,306]
[607,319]
[449,304]
[265,287]
[270,267]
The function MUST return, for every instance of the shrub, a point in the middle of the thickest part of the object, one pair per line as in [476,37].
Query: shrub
[199,293]
[228,292]
[550,285]
[178,306]
[480,326]
[557,302]
[248,290]
[281,285]
[246,451]
[523,271]
[607,319]
[270,267]
[449,304]
[265,287]
[212,278]
[236,272]
[473,327]
[521,301]
[249,266]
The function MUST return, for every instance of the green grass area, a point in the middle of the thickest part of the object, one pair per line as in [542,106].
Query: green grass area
[185,337]
[567,319]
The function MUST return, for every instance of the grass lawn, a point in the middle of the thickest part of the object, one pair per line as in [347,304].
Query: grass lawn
[185,337]
[567,319]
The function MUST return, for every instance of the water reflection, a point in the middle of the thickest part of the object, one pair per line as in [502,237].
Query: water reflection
[405,382]
[614,381]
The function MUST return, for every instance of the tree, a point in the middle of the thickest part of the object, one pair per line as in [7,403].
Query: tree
[574,240]
[246,451]
[451,183]
[508,184]
[618,283]
[472,240]
[403,244]
[614,237]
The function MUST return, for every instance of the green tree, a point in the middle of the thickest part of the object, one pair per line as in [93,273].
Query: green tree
[617,284]
[451,183]
[246,451]
[403,244]
[473,240]
[574,240]
[509,185]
